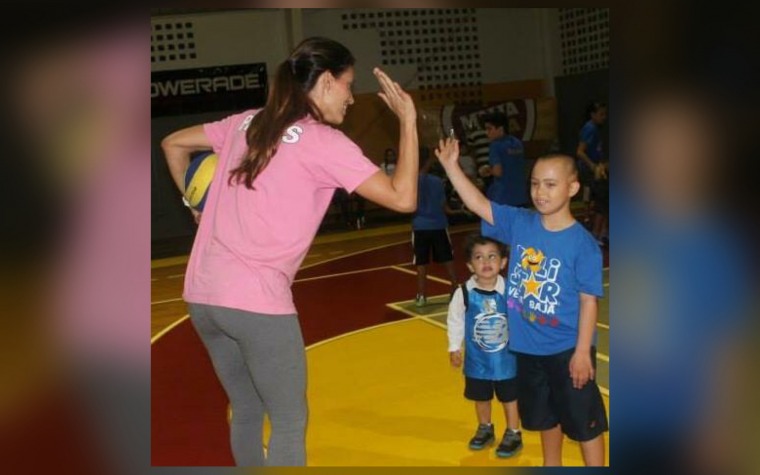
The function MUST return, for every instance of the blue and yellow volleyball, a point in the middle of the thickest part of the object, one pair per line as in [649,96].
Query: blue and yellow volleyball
[198,178]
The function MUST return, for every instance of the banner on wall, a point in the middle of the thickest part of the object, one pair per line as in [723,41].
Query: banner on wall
[217,88]
[529,119]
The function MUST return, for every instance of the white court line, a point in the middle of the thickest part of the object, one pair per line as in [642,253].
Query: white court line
[306,279]
[431,277]
[353,254]
[173,276]
[166,330]
[429,320]
[361,330]
[158,302]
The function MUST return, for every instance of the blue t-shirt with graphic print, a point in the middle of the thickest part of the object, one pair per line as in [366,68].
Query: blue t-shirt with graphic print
[548,270]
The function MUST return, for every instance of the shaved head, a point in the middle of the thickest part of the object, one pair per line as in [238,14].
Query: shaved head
[567,163]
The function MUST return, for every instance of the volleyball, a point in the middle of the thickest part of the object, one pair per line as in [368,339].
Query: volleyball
[198,178]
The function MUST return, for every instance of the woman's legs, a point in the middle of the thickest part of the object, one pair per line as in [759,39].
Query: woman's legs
[262,366]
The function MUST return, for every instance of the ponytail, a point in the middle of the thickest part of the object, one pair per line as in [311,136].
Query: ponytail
[288,102]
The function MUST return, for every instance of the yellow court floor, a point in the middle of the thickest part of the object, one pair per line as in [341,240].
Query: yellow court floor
[387,396]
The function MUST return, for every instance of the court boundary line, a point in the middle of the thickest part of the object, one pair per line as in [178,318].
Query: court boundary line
[168,328]
[340,274]
[159,302]
[354,332]
[431,277]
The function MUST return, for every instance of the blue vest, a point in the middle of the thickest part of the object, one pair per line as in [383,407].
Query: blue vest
[485,335]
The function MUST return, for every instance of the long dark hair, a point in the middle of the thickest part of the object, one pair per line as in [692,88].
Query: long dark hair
[288,101]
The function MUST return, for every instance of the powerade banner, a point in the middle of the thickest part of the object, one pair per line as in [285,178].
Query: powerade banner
[216,88]
[529,119]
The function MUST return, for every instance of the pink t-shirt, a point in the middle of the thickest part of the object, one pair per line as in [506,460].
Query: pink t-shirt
[250,243]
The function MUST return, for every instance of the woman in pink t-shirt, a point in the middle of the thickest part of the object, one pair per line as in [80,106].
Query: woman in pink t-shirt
[278,169]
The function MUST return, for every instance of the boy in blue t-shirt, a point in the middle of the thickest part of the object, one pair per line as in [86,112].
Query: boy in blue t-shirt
[554,279]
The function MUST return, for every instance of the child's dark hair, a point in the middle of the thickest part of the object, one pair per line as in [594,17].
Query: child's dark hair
[497,119]
[570,161]
[478,240]
[593,108]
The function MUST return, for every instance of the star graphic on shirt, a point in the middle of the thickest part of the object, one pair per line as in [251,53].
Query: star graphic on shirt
[531,286]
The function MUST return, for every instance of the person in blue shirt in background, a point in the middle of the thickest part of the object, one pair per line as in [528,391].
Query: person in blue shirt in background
[506,158]
[593,165]
[430,225]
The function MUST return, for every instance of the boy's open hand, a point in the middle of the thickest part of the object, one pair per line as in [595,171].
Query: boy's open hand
[448,152]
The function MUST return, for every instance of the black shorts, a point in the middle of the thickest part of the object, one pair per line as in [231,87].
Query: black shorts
[585,174]
[600,194]
[546,397]
[484,389]
[435,240]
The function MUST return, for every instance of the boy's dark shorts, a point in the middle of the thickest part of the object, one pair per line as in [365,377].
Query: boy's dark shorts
[435,240]
[546,397]
[484,389]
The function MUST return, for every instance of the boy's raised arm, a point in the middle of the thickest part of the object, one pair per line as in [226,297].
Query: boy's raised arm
[448,154]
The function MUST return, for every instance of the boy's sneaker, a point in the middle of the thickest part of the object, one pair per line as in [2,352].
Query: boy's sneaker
[420,301]
[510,444]
[484,436]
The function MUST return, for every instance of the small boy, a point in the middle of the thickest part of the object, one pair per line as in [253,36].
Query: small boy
[478,315]
[554,280]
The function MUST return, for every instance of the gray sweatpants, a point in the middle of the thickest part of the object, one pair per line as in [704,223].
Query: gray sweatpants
[261,364]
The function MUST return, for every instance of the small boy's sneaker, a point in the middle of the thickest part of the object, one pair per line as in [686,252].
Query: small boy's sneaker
[510,444]
[483,436]
[420,301]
